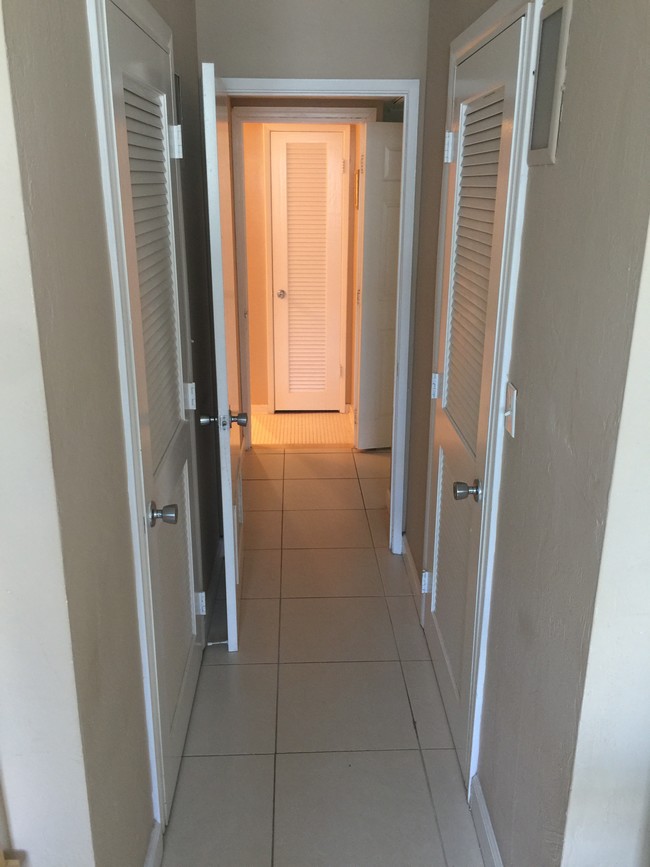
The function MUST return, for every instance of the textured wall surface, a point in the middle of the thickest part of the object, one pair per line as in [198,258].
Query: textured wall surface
[585,230]
[313,38]
[44,794]
[609,809]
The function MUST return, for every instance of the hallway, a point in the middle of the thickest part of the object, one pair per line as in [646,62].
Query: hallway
[323,740]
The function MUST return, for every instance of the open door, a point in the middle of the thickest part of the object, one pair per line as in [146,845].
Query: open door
[216,121]
[379,221]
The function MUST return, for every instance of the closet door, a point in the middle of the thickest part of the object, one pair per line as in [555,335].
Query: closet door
[309,243]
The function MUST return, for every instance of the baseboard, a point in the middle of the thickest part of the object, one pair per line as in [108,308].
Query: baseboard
[483,824]
[154,854]
[414,577]
[261,408]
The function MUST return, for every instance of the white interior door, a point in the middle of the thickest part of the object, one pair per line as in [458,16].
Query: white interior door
[379,222]
[216,118]
[483,109]
[309,243]
[142,77]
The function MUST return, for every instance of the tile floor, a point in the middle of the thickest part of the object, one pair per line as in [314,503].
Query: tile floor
[323,741]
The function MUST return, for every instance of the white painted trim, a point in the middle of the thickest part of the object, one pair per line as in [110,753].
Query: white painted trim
[154,855]
[495,20]
[147,19]
[302,114]
[267,114]
[482,822]
[415,579]
[409,90]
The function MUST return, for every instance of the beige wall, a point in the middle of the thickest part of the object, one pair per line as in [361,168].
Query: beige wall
[255,192]
[586,222]
[45,810]
[609,809]
[313,38]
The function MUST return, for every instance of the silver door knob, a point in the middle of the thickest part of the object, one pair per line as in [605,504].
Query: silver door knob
[462,490]
[168,514]
[205,420]
[240,418]
[281,294]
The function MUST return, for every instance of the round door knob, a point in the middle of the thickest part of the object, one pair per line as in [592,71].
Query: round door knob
[281,294]
[462,490]
[240,418]
[168,514]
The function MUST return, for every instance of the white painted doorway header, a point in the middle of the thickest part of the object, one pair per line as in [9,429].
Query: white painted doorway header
[409,91]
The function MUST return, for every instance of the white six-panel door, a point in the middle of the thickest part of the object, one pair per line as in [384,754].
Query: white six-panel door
[142,85]
[484,99]
[309,243]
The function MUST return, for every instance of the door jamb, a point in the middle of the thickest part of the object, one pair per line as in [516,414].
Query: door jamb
[268,115]
[494,21]
[408,89]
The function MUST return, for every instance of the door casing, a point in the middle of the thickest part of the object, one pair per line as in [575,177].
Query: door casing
[494,21]
[408,90]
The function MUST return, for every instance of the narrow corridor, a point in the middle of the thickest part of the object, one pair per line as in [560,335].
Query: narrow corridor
[323,741]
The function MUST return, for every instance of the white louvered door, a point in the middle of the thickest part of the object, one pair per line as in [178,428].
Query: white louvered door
[484,100]
[143,103]
[309,242]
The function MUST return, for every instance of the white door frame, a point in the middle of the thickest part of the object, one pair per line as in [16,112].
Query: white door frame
[489,25]
[268,115]
[142,14]
[408,90]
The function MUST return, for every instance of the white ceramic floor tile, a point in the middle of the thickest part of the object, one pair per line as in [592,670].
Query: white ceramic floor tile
[343,528]
[333,630]
[343,706]
[335,465]
[393,573]
[454,818]
[262,495]
[259,621]
[261,574]
[368,809]
[409,635]
[426,703]
[317,449]
[322,494]
[330,572]
[379,523]
[234,711]
[373,465]
[222,813]
[376,493]
[262,530]
[263,465]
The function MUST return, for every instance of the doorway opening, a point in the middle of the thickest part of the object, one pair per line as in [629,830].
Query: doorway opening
[288,101]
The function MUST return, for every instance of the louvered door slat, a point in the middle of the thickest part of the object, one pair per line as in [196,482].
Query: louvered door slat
[151,201]
[471,264]
[307,261]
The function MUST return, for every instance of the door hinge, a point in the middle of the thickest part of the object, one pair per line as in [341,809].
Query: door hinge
[356,416]
[426,581]
[434,593]
[435,386]
[175,142]
[344,166]
[450,146]
[199,603]
[189,395]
